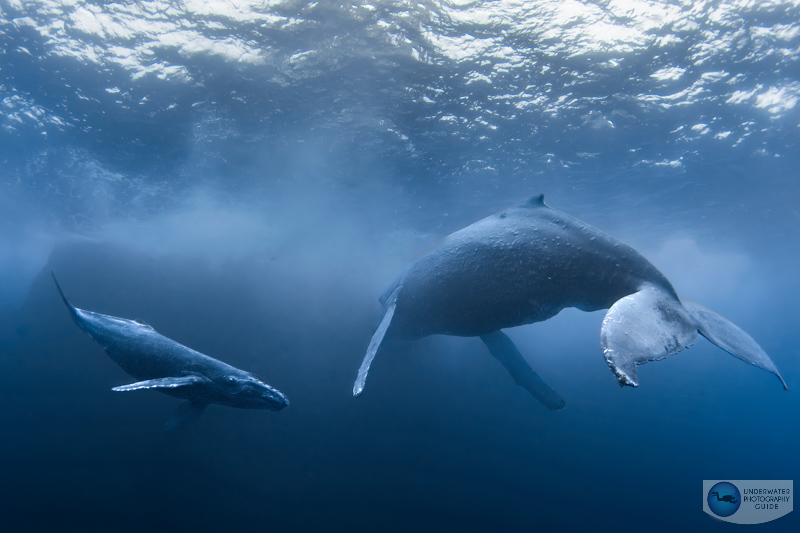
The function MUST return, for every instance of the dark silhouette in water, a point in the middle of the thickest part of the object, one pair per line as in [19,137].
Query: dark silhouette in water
[727,498]
[528,263]
[162,364]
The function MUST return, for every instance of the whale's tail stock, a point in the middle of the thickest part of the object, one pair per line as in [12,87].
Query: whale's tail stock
[651,324]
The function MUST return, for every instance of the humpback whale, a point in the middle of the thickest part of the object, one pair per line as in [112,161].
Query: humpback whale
[162,364]
[525,265]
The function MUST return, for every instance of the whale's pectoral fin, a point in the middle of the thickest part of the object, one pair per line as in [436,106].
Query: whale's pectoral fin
[161,383]
[504,350]
[186,412]
[730,337]
[648,325]
[375,343]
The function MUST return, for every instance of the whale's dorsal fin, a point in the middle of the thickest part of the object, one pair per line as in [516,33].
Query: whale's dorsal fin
[648,325]
[161,383]
[531,203]
[535,201]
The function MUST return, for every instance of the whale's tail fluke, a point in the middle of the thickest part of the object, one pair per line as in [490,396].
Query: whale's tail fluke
[504,350]
[730,338]
[648,325]
[651,324]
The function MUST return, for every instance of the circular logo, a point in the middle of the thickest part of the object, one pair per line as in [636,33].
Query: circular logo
[724,499]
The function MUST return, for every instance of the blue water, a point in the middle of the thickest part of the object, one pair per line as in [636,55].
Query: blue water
[248,177]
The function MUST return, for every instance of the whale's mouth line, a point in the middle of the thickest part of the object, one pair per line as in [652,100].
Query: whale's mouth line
[254,392]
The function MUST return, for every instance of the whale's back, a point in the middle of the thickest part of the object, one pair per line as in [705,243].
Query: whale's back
[520,266]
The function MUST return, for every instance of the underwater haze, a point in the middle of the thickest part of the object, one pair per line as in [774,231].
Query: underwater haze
[249,176]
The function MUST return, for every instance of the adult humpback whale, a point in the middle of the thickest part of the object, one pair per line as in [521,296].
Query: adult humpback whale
[164,365]
[526,264]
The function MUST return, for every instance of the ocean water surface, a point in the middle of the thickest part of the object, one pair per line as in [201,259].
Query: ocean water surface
[248,176]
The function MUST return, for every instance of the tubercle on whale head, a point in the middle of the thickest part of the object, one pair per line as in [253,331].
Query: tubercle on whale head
[277,397]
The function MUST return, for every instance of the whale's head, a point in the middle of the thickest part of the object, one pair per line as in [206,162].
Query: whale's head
[246,391]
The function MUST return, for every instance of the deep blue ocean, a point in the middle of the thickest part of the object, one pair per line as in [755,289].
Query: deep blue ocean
[248,177]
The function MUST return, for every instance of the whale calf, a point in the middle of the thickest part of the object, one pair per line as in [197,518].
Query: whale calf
[525,265]
[160,363]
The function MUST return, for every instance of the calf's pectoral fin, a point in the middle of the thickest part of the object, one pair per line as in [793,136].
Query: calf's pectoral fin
[161,383]
[648,325]
[186,412]
[730,337]
[375,343]
[504,350]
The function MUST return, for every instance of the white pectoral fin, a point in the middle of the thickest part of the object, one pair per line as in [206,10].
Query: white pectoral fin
[375,343]
[730,337]
[187,411]
[647,325]
[161,383]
